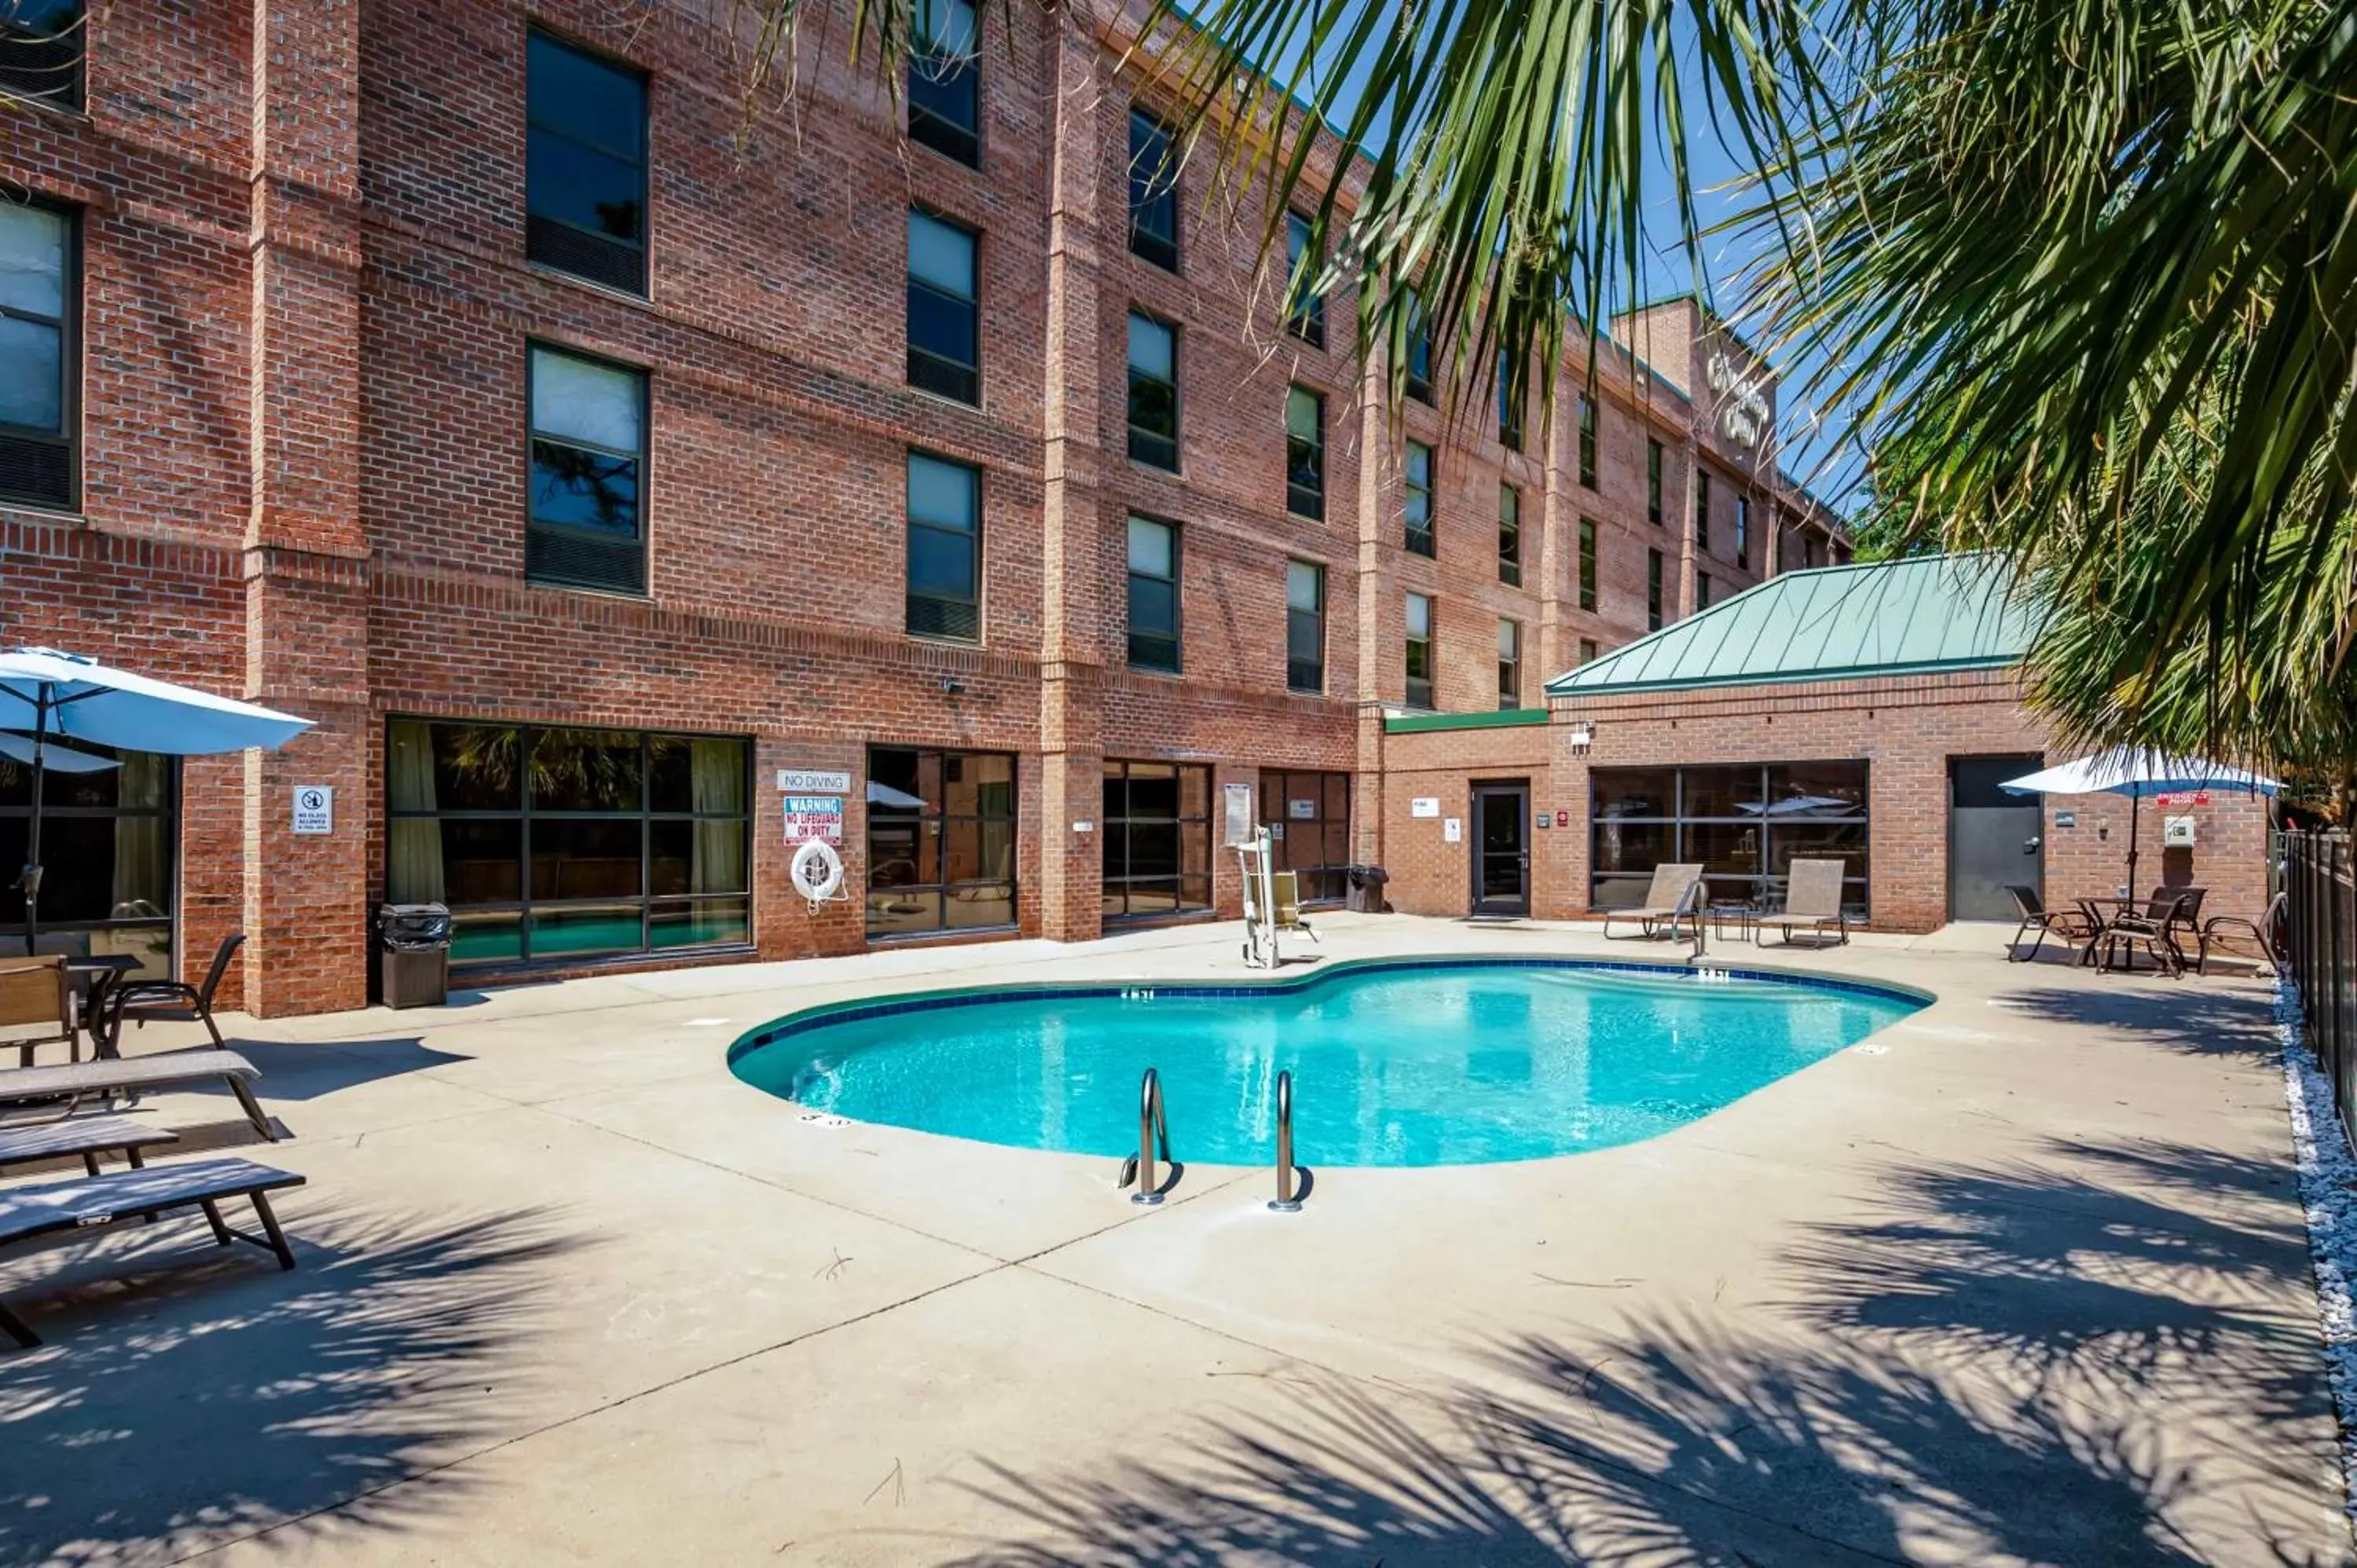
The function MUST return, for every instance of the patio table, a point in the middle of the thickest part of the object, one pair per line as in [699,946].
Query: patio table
[101,972]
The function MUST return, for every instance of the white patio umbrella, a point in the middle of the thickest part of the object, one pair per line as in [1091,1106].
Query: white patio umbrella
[56,757]
[2137,772]
[54,696]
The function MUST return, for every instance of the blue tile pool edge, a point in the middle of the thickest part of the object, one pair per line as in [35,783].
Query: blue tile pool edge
[809,1018]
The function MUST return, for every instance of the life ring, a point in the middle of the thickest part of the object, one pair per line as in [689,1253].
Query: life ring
[817,870]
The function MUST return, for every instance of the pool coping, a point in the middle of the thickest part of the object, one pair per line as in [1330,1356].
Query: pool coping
[807,1019]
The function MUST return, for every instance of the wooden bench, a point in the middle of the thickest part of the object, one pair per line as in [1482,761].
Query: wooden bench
[93,1203]
[77,1081]
[88,1136]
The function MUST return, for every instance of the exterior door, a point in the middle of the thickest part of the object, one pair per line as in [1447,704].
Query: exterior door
[1994,839]
[1502,849]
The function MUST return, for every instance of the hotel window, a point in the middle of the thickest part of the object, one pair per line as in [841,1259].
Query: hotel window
[41,50]
[1153,595]
[585,165]
[1587,563]
[1510,535]
[944,549]
[1419,650]
[1304,259]
[1305,627]
[1309,817]
[1153,392]
[1744,825]
[1153,192]
[588,453]
[1588,651]
[1702,509]
[108,875]
[1157,839]
[1809,549]
[1743,530]
[1653,482]
[1415,508]
[1702,590]
[1510,664]
[1587,442]
[1510,404]
[1419,353]
[945,80]
[1653,590]
[40,290]
[570,843]
[1305,452]
[940,841]
[944,309]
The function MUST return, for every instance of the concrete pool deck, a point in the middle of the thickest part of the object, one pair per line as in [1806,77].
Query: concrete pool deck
[2020,1279]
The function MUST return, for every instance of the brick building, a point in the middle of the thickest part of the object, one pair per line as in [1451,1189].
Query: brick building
[1867,711]
[458,376]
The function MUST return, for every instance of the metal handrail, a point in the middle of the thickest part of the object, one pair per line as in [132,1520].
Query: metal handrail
[1153,1128]
[1288,1195]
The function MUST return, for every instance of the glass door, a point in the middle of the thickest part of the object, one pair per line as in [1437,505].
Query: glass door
[1502,853]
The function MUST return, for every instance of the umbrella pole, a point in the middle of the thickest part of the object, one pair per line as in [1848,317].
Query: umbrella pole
[2134,804]
[31,879]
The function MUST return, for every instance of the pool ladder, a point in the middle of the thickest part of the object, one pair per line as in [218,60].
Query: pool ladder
[1154,1141]
[1153,1133]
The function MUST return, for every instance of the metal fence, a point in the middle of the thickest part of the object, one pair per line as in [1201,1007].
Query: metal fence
[2317,871]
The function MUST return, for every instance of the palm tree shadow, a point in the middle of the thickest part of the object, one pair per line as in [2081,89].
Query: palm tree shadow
[1996,1363]
[213,1399]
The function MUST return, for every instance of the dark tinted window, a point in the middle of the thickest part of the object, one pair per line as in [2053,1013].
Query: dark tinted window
[588,453]
[41,47]
[1153,595]
[39,289]
[585,165]
[944,308]
[1153,392]
[1306,314]
[1305,452]
[1153,192]
[945,80]
[1305,625]
[944,548]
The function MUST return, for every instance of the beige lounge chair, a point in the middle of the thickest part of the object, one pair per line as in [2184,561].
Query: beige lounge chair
[1287,885]
[1676,895]
[39,1094]
[1813,901]
[36,1006]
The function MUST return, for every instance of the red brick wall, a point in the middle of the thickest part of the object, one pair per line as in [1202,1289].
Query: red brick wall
[1905,730]
[306,318]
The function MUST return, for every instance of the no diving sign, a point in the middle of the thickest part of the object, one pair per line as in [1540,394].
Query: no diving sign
[315,809]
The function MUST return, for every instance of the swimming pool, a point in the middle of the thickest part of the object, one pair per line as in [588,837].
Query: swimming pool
[1426,1062]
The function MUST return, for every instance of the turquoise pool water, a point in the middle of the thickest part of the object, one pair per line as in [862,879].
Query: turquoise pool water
[1393,1064]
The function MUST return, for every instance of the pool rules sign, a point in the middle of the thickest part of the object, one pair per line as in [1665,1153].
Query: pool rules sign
[315,809]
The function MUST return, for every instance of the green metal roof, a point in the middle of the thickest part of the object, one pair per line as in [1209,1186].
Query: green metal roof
[1924,615]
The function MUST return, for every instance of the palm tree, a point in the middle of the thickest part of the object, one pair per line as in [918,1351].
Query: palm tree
[2084,273]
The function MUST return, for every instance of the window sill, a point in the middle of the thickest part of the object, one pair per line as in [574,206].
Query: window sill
[603,290]
[41,511]
[624,594]
[77,112]
[935,641]
[1156,670]
[943,398]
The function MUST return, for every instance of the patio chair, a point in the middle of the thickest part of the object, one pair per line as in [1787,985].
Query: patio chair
[1671,897]
[2155,926]
[1813,901]
[1287,885]
[36,1006]
[2218,927]
[171,1000]
[2071,925]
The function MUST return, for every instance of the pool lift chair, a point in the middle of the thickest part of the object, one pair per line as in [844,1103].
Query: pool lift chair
[1255,859]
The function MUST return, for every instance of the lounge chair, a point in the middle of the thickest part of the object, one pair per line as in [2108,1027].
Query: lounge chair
[1813,901]
[2261,931]
[1287,885]
[171,1001]
[2071,925]
[1673,895]
[84,1138]
[36,1006]
[44,1088]
[90,1203]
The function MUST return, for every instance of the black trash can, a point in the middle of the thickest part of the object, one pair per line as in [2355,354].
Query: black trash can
[1366,896]
[414,960]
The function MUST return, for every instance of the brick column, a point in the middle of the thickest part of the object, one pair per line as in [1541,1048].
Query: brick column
[306,574]
[1074,632]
